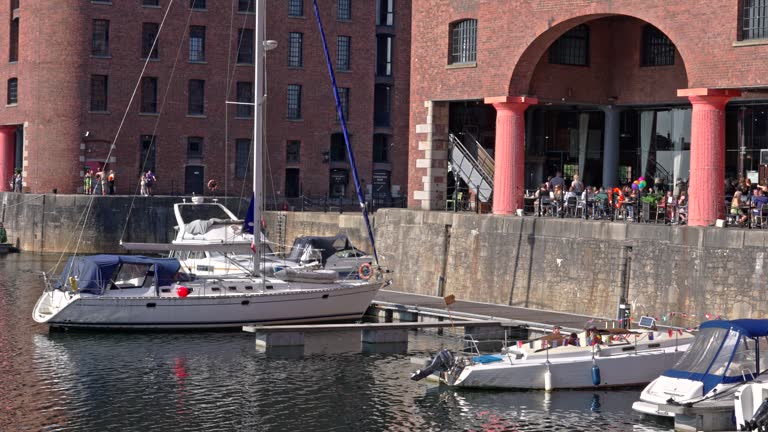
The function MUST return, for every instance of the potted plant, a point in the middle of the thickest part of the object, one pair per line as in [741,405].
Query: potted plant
[649,203]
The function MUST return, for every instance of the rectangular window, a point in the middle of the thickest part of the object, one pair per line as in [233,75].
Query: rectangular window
[148,146]
[148,35]
[295,50]
[242,157]
[381,148]
[197,4]
[385,12]
[384,55]
[657,50]
[148,95]
[344,99]
[196,43]
[100,39]
[294,102]
[245,46]
[150,2]
[293,151]
[342,52]
[382,105]
[246,6]
[13,91]
[244,95]
[295,8]
[464,42]
[572,48]
[196,97]
[754,19]
[194,147]
[99,92]
[344,10]
[13,52]
[338,148]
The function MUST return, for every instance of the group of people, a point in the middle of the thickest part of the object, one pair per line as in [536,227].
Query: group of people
[99,183]
[554,196]
[16,181]
[745,199]
[147,180]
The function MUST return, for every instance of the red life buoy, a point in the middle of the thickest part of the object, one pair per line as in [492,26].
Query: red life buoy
[620,198]
[212,184]
[365,271]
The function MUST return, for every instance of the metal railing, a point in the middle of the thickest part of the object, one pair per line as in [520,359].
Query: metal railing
[327,204]
[470,169]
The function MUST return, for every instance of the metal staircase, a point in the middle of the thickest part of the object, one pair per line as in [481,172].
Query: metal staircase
[473,164]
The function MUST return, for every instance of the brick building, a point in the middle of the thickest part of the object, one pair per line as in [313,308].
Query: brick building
[674,91]
[74,65]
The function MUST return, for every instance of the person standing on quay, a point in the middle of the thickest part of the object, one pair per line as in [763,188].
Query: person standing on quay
[143,183]
[87,182]
[17,181]
[151,179]
[111,180]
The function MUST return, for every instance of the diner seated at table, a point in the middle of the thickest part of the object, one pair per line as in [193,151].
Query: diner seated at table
[736,208]
[759,200]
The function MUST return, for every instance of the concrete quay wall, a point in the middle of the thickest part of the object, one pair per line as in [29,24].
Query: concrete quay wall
[681,273]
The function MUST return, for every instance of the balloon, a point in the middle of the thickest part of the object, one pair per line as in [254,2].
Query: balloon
[182,291]
[642,184]
[641,179]
[634,186]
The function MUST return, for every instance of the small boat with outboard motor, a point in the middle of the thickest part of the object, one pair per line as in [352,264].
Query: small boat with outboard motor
[610,357]
[698,392]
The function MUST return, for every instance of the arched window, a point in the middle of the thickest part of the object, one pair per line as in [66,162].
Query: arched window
[658,50]
[572,48]
[463,42]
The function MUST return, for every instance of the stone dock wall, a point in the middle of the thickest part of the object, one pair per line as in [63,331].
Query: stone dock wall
[681,273]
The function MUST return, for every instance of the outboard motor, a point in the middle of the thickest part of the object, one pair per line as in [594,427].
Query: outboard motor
[759,419]
[442,362]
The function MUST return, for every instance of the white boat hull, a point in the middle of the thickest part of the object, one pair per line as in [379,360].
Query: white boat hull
[336,302]
[571,373]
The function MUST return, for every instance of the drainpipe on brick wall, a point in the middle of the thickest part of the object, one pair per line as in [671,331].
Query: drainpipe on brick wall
[625,262]
[446,248]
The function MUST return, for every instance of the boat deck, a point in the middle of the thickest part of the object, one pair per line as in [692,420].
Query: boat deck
[533,318]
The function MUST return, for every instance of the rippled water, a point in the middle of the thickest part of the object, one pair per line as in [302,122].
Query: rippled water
[88,381]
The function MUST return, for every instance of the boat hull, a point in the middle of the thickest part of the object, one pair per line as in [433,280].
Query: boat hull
[212,311]
[615,371]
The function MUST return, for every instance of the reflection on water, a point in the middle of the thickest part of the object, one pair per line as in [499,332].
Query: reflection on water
[88,381]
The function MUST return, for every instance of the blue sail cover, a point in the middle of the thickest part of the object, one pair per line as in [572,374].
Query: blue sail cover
[248,222]
[94,272]
[713,369]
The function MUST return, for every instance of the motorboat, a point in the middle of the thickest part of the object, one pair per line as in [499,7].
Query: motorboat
[123,291]
[700,387]
[137,292]
[620,358]
[751,406]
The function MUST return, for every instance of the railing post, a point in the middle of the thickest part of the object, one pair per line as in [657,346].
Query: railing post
[341,204]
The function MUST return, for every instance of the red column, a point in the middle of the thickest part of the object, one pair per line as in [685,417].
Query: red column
[706,188]
[7,156]
[509,154]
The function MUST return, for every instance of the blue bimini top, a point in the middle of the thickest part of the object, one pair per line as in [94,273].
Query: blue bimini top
[93,273]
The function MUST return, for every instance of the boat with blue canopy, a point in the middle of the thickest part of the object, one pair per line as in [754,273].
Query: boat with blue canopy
[724,355]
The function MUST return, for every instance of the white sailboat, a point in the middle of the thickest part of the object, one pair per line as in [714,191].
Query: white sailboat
[114,291]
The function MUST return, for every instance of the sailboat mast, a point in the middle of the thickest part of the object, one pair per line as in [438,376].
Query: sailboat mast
[258,124]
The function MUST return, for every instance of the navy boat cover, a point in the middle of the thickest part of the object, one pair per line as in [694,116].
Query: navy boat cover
[94,272]
[747,327]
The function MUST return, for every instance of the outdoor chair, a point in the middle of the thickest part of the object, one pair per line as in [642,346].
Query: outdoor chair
[455,204]
[581,208]
[570,207]
[661,210]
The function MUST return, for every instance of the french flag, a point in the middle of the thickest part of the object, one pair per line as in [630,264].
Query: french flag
[650,336]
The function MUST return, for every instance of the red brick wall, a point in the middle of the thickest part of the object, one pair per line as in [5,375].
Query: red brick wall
[513,38]
[54,95]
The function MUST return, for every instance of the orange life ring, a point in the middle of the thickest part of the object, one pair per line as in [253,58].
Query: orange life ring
[212,184]
[620,196]
[365,271]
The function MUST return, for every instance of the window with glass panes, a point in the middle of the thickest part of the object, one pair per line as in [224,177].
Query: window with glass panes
[295,8]
[148,35]
[245,95]
[150,2]
[245,46]
[338,148]
[658,49]
[99,92]
[295,50]
[572,48]
[294,102]
[384,55]
[13,91]
[148,95]
[13,52]
[293,151]
[196,97]
[242,157]
[194,147]
[344,100]
[342,52]
[196,43]
[464,42]
[100,38]
[754,19]
[246,6]
[197,4]
[344,10]
[148,145]
[385,12]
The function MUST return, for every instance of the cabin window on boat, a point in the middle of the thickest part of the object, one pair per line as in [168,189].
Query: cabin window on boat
[727,352]
[133,276]
[703,350]
[743,359]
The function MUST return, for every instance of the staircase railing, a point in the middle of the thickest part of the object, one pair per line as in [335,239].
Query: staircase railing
[470,169]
